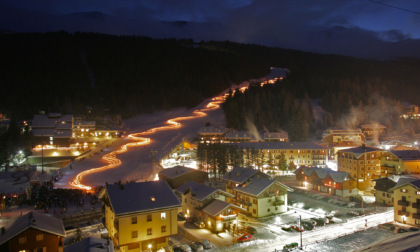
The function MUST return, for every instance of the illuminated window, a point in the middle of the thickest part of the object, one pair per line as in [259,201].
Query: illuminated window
[134,234]
[404,190]
[163,216]
[149,231]
[40,237]
[22,240]
[133,220]
[418,192]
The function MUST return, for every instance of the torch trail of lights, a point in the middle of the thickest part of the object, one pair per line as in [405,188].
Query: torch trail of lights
[113,161]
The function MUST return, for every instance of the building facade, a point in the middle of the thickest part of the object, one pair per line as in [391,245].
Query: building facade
[262,197]
[362,163]
[140,216]
[34,232]
[298,153]
[407,202]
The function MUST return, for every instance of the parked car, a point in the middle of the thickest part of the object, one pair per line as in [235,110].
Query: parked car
[286,228]
[320,221]
[290,246]
[402,230]
[181,216]
[413,229]
[298,228]
[186,248]
[388,226]
[206,244]
[245,238]
[307,225]
[196,246]
[199,224]
[191,220]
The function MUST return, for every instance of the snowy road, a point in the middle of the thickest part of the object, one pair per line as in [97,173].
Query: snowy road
[319,234]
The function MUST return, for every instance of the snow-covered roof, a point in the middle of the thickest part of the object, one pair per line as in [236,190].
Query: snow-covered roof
[176,171]
[322,172]
[91,244]
[34,220]
[259,185]
[306,170]
[43,132]
[139,197]
[404,181]
[217,206]
[198,191]
[338,176]
[239,174]
[358,151]
[384,184]
[406,155]
[42,121]
[281,145]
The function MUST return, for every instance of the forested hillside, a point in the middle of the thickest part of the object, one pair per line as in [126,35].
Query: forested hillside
[129,75]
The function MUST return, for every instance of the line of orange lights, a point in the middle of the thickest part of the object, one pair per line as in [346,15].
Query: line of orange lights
[113,161]
[139,140]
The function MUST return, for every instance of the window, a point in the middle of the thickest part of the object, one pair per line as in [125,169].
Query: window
[134,234]
[163,216]
[163,229]
[404,190]
[149,217]
[22,239]
[255,201]
[268,210]
[133,220]
[418,192]
[149,231]
[40,237]
[383,194]
[254,211]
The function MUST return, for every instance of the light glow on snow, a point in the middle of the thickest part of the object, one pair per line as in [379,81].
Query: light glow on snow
[140,140]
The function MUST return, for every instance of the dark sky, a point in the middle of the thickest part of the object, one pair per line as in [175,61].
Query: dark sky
[361,28]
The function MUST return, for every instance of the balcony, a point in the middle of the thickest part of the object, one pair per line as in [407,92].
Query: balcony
[406,214]
[245,203]
[226,218]
[403,203]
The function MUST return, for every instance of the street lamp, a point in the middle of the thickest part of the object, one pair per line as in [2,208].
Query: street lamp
[300,229]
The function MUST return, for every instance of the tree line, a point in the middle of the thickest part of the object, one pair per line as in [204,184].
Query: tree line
[216,158]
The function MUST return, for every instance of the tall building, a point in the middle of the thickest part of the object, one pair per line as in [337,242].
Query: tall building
[140,216]
[298,153]
[52,129]
[362,163]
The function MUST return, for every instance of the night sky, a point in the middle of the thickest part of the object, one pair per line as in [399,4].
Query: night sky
[361,28]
